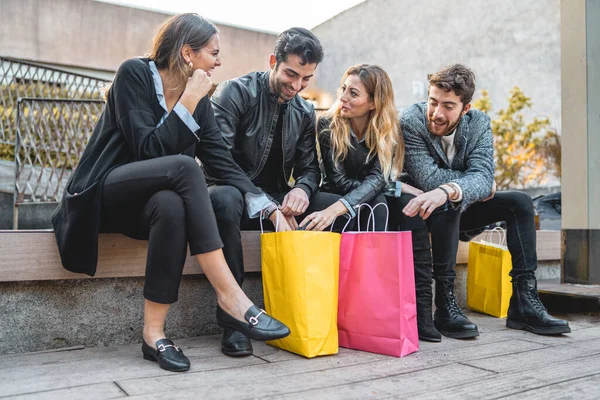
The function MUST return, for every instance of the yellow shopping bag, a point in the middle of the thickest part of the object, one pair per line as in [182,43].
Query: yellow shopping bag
[300,272]
[488,283]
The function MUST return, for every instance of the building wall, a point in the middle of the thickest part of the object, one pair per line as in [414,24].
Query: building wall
[99,36]
[508,43]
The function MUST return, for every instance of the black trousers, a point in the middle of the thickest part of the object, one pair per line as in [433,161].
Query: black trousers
[229,207]
[515,208]
[165,201]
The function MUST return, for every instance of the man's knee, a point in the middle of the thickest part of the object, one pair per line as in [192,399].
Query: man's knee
[227,202]
[522,203]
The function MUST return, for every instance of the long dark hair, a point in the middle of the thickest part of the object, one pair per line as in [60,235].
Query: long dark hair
[176,32]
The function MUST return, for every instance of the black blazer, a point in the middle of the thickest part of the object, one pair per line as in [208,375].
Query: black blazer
[357,179]
[127,132]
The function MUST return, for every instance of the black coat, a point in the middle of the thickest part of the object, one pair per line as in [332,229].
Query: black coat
[246,111]
[127,132]
[357,178]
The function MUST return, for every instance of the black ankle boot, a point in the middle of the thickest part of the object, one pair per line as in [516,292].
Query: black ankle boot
[449,319]
[423,280]
[527,312]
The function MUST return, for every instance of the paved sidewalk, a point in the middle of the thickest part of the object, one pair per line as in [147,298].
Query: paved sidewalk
[500,363]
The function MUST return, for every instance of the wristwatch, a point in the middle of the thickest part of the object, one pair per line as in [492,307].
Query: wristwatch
[268,210]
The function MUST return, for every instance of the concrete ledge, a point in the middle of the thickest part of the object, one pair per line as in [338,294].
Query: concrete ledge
[43,307]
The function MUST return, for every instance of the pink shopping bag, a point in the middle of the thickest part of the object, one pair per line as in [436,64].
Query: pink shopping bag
[377,305]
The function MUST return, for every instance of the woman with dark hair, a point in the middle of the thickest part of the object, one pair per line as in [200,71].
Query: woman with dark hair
[138,176]
[362,150]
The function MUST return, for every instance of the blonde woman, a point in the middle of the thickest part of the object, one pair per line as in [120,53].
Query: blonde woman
[362,150]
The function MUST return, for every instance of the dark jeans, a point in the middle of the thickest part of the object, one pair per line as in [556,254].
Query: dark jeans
[229,206]
[165,201]
[515,208]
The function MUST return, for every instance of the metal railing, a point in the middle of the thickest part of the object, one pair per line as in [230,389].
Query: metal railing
[19,78]
[51,136]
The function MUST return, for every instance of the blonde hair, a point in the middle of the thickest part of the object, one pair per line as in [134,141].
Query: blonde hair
[383,136]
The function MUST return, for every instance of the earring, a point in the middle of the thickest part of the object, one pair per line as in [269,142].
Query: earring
[191,65]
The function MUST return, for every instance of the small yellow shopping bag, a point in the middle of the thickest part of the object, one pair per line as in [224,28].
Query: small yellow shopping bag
[300,271]
[488,281]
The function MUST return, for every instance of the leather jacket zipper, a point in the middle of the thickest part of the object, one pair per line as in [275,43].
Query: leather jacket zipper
[265,154]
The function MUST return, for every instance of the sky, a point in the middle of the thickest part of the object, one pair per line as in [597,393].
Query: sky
[265,15]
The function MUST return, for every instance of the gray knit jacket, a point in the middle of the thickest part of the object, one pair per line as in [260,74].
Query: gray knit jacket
[427,165]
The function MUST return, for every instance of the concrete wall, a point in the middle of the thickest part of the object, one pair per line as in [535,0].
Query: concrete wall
[95,35]
[508,43]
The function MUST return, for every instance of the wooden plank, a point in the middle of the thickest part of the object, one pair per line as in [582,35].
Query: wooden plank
[547,246]
[581,388]
[288,376]
[33,255]
[526,378]
[22,374]
[398,386]
[99,391]
[591,292]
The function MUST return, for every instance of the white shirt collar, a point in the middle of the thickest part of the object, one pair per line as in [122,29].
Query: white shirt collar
[158,85]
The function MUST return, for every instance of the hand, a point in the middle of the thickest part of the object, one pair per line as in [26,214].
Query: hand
[406,188]
[319,220]
[280,221]
[295,202]
[197,86]
[425,203]
[491,196]
[291,221]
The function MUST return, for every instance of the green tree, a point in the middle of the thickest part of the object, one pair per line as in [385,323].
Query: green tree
[527,153]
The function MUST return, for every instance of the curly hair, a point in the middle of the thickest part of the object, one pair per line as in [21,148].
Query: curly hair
[457,78]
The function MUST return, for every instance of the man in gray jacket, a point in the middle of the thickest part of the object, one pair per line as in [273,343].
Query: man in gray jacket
[449,155]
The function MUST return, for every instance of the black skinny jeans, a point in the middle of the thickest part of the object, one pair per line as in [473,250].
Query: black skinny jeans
[165,201]
[515,208]
[229,206]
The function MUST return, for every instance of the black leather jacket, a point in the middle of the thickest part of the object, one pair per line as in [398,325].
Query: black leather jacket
[357,180]
[246,111]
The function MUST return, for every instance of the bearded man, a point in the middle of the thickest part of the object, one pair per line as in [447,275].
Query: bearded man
[450,156]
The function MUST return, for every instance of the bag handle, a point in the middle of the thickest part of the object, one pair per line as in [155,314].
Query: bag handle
[501,236]
[277,220]
[372,215]
[264,207]
[345,226]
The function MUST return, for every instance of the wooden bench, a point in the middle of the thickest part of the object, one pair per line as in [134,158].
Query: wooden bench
[33,255]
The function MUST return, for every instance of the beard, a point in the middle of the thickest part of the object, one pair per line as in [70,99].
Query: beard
[278,88]
[449,128]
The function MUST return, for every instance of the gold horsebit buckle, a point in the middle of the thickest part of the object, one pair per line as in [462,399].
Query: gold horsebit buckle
[254,320]
[162,347]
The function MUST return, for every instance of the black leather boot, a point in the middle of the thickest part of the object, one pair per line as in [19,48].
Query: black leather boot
[449,319]
[423,280]
[527,312]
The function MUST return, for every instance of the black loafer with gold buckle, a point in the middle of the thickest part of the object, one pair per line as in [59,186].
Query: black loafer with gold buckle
[167,354]
[258,325]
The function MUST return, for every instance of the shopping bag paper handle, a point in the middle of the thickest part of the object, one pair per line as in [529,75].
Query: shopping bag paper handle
[264,207]
[277,220]
[501,236]
[372,215]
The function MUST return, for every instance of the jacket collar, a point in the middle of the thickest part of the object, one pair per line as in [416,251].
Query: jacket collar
[264,83]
